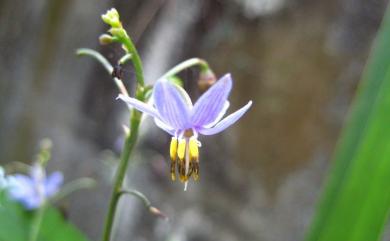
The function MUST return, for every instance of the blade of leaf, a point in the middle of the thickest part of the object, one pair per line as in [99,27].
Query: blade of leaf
[55,228]
[360,152]
[13,221]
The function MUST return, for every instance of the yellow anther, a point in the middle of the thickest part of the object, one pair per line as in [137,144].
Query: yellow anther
[195,169]
[173,154]
[173,149]
[194,149]
[173,170]
[182,171]
[181,151]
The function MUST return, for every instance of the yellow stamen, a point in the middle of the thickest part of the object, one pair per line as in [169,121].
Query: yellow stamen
[173,154]
[173,148]
[194,158]
[173,170]
[195,169]
[194,149]
[181,151]
[182,170]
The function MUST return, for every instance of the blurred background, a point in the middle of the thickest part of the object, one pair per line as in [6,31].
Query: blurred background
[298,60]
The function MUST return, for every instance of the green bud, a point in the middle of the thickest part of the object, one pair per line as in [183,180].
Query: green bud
[105,39]
[118,32]
[44,154]
[111,17]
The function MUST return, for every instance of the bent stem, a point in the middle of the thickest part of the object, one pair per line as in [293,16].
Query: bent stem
[101,59]
[185,65]
[138,195]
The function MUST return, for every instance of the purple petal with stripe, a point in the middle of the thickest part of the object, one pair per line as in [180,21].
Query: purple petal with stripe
[220,116]
[139,105]
[171,105]
[226,122]
[209,106]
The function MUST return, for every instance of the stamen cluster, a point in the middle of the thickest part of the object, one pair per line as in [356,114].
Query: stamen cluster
[184,155]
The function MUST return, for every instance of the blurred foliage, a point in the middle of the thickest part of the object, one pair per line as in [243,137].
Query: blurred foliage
[15,224]
[356,201]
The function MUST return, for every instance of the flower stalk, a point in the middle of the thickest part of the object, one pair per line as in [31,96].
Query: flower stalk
[120,35]
[36,222]
[130,141]
[187,64]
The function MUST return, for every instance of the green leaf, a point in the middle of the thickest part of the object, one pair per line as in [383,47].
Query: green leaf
[15,224]
[356,200]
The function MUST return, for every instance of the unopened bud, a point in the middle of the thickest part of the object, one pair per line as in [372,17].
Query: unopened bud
[158,213]
[120,32]
[44,154]
[206,79]
[111,17]
[105,39]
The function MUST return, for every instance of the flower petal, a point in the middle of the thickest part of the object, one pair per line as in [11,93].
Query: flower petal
[139,105]
[226,122]
[184,94]
[20,186]
[171,105]
[221,114]
[164,126]
[32,202]
[209,106]
[53,183]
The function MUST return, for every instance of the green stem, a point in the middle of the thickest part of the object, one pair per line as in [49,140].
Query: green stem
[135,59]
[96,55]
[138,195]
[185,65]
[125,58]
[121,173]
[130,141]
[36,223]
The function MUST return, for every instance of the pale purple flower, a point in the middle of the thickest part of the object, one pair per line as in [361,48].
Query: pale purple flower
[174,113]
[33,190]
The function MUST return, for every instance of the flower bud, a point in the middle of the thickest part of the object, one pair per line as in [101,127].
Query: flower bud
[105,39]
[206,79]
[158,213]
[120,32]
[111,17]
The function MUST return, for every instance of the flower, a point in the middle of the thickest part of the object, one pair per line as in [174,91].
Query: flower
[174,113]
[32,191]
